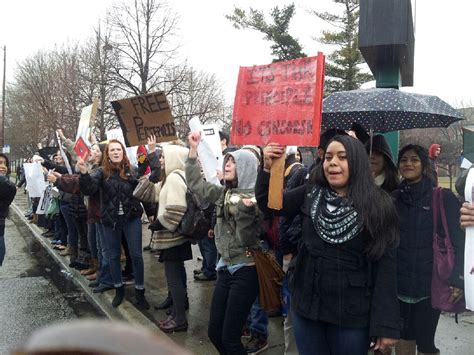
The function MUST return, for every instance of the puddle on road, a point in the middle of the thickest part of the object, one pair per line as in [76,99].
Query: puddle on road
[45,266]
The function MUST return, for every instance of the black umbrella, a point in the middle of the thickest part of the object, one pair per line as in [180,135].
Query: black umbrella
[385,110]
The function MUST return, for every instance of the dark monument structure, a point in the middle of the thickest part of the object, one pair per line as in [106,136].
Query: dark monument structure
[387,43]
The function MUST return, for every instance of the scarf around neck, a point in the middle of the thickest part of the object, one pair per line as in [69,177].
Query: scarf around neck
[337,226]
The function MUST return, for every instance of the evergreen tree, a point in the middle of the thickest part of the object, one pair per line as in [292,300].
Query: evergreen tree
[342,69]
[285,46]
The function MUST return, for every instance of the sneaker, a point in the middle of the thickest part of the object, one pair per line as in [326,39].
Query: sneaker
[246,332]
[202,277]
[256,344]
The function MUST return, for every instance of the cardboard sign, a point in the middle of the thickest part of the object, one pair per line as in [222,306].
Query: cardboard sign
[87,121]
[141,116]
[81,149]
[279,102]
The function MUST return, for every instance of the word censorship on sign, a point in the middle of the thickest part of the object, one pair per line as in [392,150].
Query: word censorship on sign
[279,102]
[142,116]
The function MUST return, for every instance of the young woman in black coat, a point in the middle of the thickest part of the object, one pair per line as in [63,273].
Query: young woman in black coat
[415,253]
[343,285]
[7,194]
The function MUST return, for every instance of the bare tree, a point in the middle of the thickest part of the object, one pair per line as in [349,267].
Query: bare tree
[143,39]
[194,94]
[44,96]
[95,71]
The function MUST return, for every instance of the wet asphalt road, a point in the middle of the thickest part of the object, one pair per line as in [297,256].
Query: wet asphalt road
[33,290]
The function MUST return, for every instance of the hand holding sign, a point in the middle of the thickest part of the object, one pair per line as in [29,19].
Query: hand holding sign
[81,149]
[194,138]
[81,166]
[271,152]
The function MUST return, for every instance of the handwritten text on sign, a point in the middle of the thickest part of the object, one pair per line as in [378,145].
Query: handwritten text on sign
[141,116]
[279,102]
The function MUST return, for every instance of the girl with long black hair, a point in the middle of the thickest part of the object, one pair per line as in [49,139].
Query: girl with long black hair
[343,280]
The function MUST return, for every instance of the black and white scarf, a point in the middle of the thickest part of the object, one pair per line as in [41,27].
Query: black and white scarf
[337,226]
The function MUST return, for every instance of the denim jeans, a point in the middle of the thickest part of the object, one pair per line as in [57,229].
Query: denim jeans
[321,338]
[60,228]
[231,303]
[2,244]
[207,246]
[258,320]
[105,278]
[132,230]
[92,239]
[72,236]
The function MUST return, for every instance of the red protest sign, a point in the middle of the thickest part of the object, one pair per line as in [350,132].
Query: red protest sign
[81,149]
[279,102]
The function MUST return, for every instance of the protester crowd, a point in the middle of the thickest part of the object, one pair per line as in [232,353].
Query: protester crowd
[354,237]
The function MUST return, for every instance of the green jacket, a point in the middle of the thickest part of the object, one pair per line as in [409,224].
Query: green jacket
[237,226]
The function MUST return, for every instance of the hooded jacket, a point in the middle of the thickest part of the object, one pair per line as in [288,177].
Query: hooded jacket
[171,193]
[379,144]
[237,225]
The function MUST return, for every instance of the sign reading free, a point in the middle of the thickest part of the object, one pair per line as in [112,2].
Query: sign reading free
[142,116]
[280,103]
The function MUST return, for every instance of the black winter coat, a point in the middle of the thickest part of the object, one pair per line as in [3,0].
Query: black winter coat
[415,252]
[290,228]
[336,283]
[7,194]
[113,191]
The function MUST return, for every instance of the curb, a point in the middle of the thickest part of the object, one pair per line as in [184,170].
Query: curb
[125,312]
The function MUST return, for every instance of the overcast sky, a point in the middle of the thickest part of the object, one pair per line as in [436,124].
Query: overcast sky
[444,50]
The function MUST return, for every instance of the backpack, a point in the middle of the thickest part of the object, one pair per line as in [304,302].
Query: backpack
[193,225]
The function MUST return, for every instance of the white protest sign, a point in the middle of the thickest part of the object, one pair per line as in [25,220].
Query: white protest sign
[87,121]
[209,149]
[63,154]
[34,179]
[469,248]
[44,201]
[131,152]
[465,164]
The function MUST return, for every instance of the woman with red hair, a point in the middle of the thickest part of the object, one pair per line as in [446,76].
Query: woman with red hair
[120,214]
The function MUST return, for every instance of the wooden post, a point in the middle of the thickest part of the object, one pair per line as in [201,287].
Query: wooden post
[275,190]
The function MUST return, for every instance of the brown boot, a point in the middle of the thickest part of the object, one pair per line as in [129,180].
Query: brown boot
[94,265]
[64,252]
[92,277]
[405,347]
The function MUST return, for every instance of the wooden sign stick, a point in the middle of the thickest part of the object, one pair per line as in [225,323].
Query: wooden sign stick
[275,190]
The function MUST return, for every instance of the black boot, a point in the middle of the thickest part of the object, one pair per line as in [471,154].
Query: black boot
[167,303]
[119,294]
[141,301]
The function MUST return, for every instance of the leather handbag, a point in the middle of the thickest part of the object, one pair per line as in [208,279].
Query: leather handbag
[443,261]
[145,190]
[270,277]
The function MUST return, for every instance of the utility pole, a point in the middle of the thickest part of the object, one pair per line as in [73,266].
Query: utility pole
[2,126]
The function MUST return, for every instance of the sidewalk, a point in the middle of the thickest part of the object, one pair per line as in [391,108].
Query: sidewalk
[200,295]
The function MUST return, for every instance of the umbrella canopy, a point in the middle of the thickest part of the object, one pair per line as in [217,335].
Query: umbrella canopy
[468,143]
[385,110]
